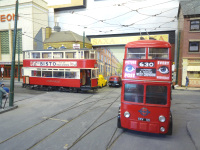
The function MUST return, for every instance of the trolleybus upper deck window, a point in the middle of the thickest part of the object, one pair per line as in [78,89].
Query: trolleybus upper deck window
[134,93]
[156,94]
[158,53]
[136,53]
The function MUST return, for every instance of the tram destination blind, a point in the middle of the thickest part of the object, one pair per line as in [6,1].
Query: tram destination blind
[145,72]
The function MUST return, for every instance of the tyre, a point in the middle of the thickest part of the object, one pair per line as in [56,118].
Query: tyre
[119,120]
[170,126]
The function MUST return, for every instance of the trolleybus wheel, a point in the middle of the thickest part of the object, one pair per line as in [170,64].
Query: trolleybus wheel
[170,126]
[119,120]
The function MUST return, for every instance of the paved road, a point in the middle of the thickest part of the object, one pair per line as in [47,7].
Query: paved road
[87,121]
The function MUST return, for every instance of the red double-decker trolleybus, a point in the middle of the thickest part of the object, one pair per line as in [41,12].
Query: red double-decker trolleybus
[65,69]
[146,87]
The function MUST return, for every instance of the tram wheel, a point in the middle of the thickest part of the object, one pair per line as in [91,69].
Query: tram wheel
[49,88]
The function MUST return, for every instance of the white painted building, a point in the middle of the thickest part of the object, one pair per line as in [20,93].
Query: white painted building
[33,15]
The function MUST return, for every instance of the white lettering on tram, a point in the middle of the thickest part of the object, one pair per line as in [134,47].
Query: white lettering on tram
[54,63]
[163,63]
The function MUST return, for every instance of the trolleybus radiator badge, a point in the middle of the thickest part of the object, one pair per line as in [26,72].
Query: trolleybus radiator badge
[144,111]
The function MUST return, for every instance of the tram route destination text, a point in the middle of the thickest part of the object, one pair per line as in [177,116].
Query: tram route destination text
[54,63]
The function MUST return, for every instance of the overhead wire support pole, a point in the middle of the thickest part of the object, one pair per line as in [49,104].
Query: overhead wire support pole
[83,39]
[18,59]
[12,78]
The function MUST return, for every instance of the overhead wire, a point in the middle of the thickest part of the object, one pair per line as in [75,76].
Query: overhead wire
[111,25]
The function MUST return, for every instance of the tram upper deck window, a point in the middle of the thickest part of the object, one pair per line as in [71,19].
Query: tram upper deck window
[134,93]
[92,55]
[46,54]
[158,53]
[57,55]
[156,95]
[70,55]
[136,53]
[86,54]
[27,55]
[35,54]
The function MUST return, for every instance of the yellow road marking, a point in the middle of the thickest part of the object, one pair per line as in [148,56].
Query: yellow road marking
[65,147]
[55,119]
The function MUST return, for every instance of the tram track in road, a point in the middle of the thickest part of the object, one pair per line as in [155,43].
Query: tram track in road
[60,112]
[84,133]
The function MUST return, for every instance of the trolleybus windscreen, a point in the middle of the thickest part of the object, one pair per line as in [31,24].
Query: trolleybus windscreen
[134,93]
[156,95]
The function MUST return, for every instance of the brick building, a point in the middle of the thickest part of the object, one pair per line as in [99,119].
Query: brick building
[108,64]
[189,43]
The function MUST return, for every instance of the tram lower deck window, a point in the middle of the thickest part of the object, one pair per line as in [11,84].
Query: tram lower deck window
[156,95]
[134,93]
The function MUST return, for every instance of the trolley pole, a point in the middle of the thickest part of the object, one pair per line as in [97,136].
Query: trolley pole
[12,78]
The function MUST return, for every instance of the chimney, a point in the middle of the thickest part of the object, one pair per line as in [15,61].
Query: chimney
[48,32]
[56,27]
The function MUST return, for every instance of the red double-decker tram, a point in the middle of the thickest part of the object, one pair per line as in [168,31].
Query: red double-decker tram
[65,69]
[146,87]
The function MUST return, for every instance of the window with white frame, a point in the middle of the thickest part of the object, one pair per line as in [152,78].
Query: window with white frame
[194,25]
[194,46]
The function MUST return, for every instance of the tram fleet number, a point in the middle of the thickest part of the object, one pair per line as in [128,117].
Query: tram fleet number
[146,64]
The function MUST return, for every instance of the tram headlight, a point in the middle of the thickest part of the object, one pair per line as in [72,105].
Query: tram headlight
[161,118]
[127,114]
[162,129]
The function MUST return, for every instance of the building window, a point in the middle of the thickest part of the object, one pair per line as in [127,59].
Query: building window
[4,42]
[195,25]
[193,46]
[194,74]
[101,57]
[18,40]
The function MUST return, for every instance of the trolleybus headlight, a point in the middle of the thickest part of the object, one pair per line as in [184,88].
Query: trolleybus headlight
[161,118]
[127,114]
[162,129]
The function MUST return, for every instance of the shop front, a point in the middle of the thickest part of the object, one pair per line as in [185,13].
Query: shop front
[191,68]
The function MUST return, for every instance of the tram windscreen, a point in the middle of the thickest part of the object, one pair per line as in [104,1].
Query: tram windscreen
[156,95]
[136,53]
[134,93]
[158,53]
